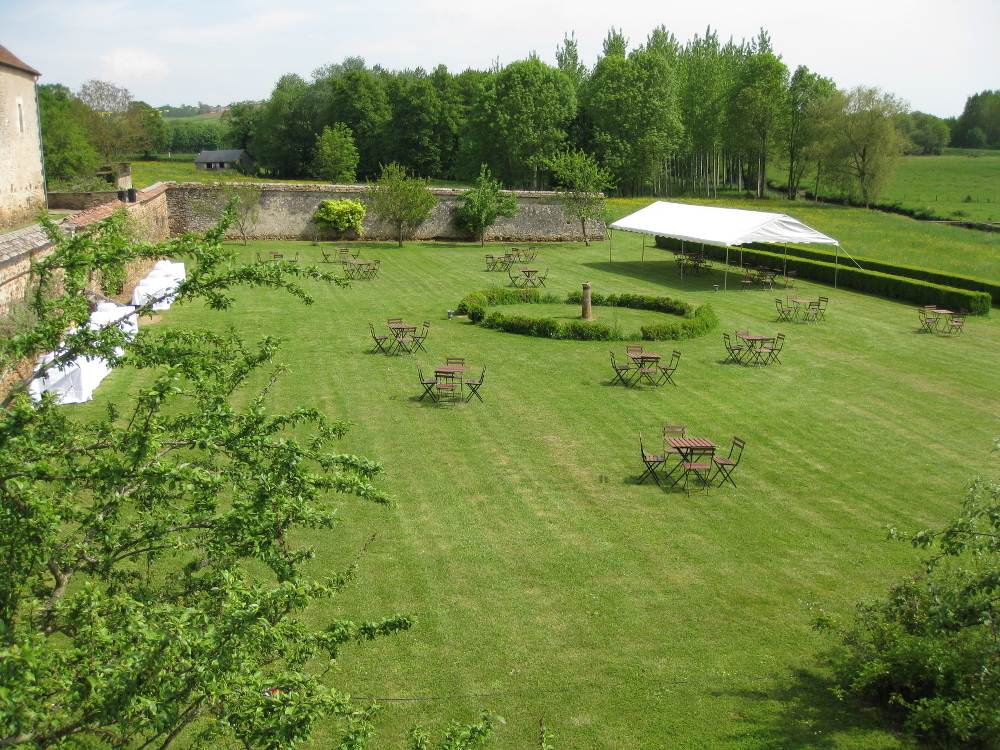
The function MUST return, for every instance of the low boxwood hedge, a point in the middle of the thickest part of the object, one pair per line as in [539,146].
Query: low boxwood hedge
[693,321]
[918,285]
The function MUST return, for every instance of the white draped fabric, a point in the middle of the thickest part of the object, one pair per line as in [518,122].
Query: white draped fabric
[164,277]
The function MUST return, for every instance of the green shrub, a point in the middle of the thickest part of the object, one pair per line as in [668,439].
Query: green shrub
[854,278]
[634,301]
[701,322]
[340,215]
[581,330]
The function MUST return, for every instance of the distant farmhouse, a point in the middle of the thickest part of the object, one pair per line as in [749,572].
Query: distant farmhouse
[22,176]
[223,160]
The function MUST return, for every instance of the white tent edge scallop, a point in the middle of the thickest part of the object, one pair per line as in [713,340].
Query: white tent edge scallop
[713,225]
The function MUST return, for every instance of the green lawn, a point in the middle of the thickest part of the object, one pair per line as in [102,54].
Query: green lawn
[546,581]
[961,185]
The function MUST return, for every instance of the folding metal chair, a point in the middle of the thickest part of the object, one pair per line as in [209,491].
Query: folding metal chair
[928,320]
[821,308]
[474,386]
[427,383]
[697,462]
[811,312]
[667,371]
[327,256]
[491,262]
[673,430]
[405,343]
[790,279]
[419,338]
[622,372]
[784,313]
[380,341]
[725,466]
[371,271]
[774,350]
[540,278]
[735,351]
[955,325]
[518,281]
[653,461]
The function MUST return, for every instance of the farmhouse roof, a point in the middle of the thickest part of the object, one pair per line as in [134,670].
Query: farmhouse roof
[719,226]
[8,58]
[217,156]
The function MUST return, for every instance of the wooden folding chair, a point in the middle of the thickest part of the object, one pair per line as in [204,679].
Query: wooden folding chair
[427,383]
[774,350]
[419,338]
[380,342]
[784,313]
[491,262]
[517,280]
[821,308]
[928,320]
[954,326]
[474,386]
[725,466]
[653,461]
[623,373]
[735,350]
[697,462]
[667,370]
[539,278]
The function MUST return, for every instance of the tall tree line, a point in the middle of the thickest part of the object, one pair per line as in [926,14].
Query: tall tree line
[662,117]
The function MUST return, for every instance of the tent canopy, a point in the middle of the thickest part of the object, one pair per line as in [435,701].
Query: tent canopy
[719,226]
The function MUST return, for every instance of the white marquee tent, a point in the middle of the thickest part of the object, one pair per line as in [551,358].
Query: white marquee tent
[712,225]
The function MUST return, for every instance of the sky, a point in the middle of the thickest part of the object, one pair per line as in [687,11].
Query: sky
[931,54]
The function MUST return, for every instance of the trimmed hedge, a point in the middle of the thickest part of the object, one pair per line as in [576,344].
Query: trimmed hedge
[695,321]
[702,321]
[925,286]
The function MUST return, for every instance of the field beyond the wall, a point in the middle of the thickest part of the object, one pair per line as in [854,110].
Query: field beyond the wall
[959,185]
[549,584]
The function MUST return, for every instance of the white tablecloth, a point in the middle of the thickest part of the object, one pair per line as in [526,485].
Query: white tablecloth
[164,277]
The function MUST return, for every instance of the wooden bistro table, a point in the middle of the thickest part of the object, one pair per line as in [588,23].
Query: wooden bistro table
[758,340]
[355,269]
[646,363]
[684,445]
[799,305]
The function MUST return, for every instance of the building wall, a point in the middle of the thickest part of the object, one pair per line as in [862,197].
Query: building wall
[286,213]
[22,184]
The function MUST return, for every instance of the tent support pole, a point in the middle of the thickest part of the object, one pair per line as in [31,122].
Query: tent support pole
[725,278]
[836,267]
[611,239]
[784,270]
[642,260]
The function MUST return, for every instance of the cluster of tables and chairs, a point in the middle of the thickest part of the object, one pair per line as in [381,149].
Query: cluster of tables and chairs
[508,259]
[449,382]
[761,277]
[276,256]
[341,253]
[360,269]
[527,277]
[934,319]
[697,264]
[754,349]
[403,338]
[690,459]
[643,367]
[794,309]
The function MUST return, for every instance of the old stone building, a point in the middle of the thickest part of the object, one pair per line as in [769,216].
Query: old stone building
[22,181]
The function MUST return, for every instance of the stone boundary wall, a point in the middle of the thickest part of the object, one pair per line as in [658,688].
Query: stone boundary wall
[286,212]
[81,201]
[18,249]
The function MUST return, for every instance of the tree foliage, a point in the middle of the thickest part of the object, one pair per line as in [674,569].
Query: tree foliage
[68,153]
[483,205]
[401,200]
[153,589]
[117,125]
[336,156]
[927,653]
[341,215]
[866,143]
[582,181]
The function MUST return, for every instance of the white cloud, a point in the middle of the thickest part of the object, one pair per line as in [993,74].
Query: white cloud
[131,66]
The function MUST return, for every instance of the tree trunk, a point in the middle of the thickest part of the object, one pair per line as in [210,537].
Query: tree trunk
[583,226]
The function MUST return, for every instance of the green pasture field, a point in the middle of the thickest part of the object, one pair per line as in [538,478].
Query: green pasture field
[547,583]
[960,185]
[873,234]
[146,173]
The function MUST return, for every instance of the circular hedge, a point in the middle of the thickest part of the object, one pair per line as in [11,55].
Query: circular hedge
[693,321]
